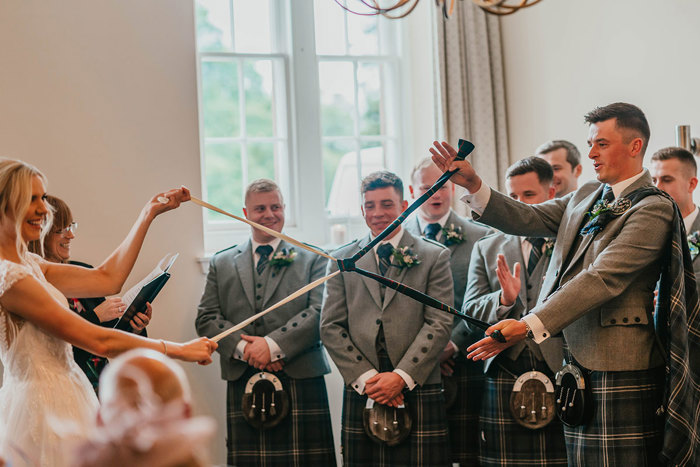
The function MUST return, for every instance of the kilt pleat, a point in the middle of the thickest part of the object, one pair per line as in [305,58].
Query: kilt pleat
[302,439]
[625,428]
[427,444]
[463,416]
[503,441]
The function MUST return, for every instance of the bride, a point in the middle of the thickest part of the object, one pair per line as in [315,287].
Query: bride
[41,382]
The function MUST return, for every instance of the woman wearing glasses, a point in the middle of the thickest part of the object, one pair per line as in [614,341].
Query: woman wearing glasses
[100,311]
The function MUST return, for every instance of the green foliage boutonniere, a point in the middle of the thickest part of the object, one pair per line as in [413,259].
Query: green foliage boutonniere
[404,258]
[548,247]
[451,235]
[694,244]
[283,258]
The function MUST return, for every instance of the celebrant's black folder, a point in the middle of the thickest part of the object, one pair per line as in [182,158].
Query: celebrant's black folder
[147,294]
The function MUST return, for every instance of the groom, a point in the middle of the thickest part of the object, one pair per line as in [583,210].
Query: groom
[242,281]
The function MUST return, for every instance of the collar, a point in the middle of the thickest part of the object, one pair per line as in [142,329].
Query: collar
[274,244]
[422,223]
[395,240]
[619,187]
[689,219]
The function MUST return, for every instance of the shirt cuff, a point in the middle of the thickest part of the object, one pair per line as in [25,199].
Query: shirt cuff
[240,348]
[478,200]
[539,332]
[275,350]
[410,384]
[359,384]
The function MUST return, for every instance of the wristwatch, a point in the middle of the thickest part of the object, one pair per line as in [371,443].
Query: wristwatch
[529,334]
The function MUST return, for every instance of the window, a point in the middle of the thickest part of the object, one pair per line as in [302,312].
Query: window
[312,105]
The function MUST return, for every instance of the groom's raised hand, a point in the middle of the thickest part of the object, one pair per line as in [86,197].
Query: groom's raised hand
[444,157]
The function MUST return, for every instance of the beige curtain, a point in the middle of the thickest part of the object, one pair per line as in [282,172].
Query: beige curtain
[471,88]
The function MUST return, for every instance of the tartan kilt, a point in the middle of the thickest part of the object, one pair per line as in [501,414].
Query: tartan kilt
[303,438]
[503,441]
[463,416]
[625,429]
[426,445]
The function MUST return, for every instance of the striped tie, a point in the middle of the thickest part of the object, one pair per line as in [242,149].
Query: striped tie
[384,252]
[535,253]
[264,252]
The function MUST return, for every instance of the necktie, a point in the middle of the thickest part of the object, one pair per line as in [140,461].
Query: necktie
[384,252]
[608,194]
[535,253]
[432,230]
[264,252]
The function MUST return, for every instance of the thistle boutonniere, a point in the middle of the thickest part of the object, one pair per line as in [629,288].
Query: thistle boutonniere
[404,258]
[452,235]
[548,247]
[694,244]
[283,258]
[603,212]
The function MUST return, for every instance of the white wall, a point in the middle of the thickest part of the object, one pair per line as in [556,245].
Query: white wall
[102,97]
[565,57]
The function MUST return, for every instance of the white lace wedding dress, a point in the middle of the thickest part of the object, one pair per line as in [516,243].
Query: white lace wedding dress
[41,382]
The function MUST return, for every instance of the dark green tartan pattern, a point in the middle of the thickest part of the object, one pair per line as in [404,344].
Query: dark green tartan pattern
[303,438]
[503,441]
[625,429]
[463,416]
[427,445]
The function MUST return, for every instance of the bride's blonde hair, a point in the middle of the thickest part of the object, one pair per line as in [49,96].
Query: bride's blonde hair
[16,196]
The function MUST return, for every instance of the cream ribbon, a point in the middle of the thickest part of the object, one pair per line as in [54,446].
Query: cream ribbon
[296,294]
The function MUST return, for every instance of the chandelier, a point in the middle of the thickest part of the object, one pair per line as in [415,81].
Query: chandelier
[401,8]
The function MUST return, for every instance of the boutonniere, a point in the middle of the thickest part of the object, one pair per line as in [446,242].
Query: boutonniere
[694,244]
[548,247]
[283,258]
[451,235]
[603,212]
[404,258]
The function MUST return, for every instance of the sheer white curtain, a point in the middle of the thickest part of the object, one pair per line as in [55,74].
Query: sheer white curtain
[471,91]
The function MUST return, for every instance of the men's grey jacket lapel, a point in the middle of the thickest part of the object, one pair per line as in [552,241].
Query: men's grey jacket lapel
[369,263]
[574,226]
[275,274]
[244,266]
[395,273]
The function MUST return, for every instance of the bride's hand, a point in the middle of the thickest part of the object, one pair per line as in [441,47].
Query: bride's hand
[174,197]
[196,350]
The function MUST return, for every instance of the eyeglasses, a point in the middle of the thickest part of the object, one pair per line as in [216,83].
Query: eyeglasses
[71,228]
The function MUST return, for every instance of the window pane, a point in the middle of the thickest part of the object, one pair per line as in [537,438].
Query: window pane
[369,98]
[251,26]
[213,25]
[330,28]
[371,157]
[341,178]
[257,78]
[261,161]
[224,180]
[337,98]
[220,101]
[362,35]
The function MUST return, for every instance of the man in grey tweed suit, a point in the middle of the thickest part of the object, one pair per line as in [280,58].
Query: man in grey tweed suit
[385,344]
[435,220]
[494,293]
[242,281]
[599,286]
[675,171]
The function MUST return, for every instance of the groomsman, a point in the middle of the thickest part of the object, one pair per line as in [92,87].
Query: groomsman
[599,285]
[675,171]
[495,293]
[385,344]
[565,160]
[242,281]
[436,220]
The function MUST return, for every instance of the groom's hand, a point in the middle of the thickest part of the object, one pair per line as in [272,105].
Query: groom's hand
[444,157]
[256,352]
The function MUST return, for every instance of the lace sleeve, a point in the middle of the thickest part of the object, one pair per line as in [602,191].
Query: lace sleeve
[10,273]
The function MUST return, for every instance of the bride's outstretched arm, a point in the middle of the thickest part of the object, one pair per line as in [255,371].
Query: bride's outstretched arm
[28,299]
[108,278]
